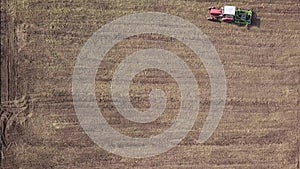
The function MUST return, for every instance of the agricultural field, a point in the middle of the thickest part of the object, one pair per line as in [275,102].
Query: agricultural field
[40,43]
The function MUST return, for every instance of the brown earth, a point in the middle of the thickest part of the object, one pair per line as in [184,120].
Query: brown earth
[40,42]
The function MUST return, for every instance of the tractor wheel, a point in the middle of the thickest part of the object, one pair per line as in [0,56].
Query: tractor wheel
[210,19]
[211,8]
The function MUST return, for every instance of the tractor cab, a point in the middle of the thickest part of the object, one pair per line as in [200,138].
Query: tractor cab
[228,14]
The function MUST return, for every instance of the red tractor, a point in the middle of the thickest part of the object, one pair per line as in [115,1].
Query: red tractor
[225,14]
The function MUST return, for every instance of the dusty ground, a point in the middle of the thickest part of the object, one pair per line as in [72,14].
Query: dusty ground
[40,41]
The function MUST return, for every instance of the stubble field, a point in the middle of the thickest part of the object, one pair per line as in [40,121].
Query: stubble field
[40,42]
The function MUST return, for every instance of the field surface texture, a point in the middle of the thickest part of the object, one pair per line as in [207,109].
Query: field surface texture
[40,44]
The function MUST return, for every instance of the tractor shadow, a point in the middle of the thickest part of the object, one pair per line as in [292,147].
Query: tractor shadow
[255,21]
[217,21]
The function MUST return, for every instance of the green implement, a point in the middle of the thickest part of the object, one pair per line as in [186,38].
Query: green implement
[243,17]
